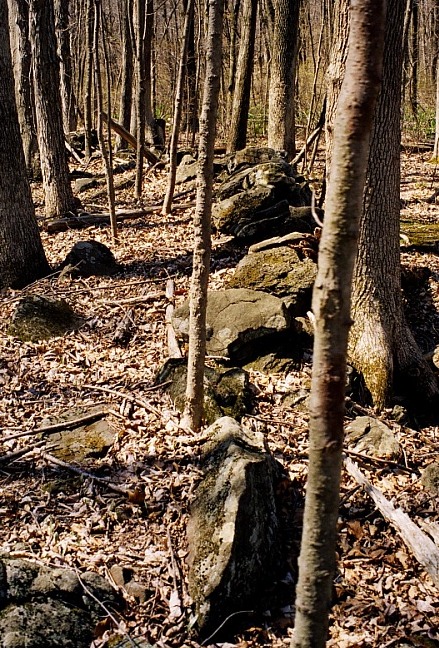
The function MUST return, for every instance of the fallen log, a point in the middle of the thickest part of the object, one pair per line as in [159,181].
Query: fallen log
[84,220]
[423,548]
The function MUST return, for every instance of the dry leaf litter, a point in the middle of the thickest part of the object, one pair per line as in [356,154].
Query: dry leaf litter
[57,517]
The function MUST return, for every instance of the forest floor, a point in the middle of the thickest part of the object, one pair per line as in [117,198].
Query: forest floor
[382,595]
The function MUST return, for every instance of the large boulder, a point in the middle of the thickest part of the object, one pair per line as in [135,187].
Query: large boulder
[47,607]
[241,323]
[233,531]
[40,318]
[88,258]
[278,271]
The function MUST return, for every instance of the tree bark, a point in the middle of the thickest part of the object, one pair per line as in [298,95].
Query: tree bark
[126,92]
[58,193]
[68,99]
[167,203]
[381,346]
[331,305]
[281,103]
[88,76]
[202,220]
[241,98]
[22,258]
[24,96]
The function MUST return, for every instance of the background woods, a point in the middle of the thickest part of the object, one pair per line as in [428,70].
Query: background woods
[219,283]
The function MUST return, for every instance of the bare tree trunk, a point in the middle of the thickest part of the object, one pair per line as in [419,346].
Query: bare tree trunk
[281,111]
[104,143]
[68,99]
[126,92]
[139,27]
[231,76]
[202,220]
[241,99]
[24,95]
[335,74]
[59,199]
[331,306]
[88,77]
[436,137]
[167,203]
[22,258]
[381,344]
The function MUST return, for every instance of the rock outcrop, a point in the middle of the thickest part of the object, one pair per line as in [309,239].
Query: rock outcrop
[45,607]
[233,530]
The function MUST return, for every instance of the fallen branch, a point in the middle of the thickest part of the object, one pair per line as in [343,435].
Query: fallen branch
[422,547]
[17,454]
[120,130]
[84,473]
[64,425]
[133,399]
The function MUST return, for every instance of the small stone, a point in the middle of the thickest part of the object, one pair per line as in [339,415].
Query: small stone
[430,478]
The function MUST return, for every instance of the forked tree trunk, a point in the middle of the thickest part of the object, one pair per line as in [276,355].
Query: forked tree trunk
[381,344]
[331,306]
[59,200]
[22,258]
[202,220]
[237,137]
[281,110]
[22,63]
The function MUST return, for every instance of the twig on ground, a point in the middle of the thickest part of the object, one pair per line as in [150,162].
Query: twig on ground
[64,425]
[134,399]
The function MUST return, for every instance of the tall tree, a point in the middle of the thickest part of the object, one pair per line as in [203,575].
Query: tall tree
[381,345]
[62,30]
[331,307]
[126,92]
[281,100]
[59,199]
[167,203]
[202,220]
[22,258]
[237,136]
[22,62]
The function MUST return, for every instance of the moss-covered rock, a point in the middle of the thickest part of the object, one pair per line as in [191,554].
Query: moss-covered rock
[278,271]
[39,318]
[420,235]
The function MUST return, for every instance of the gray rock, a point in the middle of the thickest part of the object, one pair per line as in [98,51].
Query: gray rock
[84,442]
[372,437]
[226,391]
[186,170]
[43,607]
[233,531]
[39,318]
[278,271]
[82,184]
[430,478]
[254,155]
[241,323]
[88,258]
